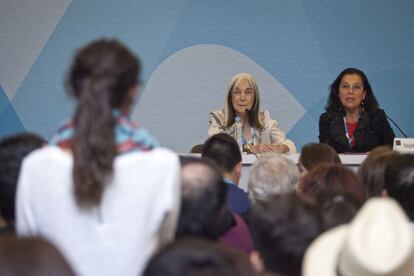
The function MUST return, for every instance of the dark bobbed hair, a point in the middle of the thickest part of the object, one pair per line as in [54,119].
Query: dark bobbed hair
[229,111]
[31,256]
[399,182]
[314,154]
[12,151]
[334,103]
[222,149]
[188,257]
[203,201]
[101,76]
[372,170]
[283,227]
[331,178]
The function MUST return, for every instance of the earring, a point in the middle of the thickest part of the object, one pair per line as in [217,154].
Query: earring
[361,106]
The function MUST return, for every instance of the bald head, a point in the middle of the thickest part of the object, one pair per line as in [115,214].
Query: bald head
[203,199]
[196,177]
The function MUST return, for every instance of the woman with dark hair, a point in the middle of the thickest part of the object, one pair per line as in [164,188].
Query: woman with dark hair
[353,121]
[314,154]
[332,179]
[372,170]
[103,193]
[260,133]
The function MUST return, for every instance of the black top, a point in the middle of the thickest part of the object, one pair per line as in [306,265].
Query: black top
[372,130]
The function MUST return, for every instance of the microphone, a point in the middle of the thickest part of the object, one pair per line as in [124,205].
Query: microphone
[402,132]
[244,122]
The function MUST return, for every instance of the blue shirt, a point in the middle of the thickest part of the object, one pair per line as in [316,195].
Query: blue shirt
[237,200]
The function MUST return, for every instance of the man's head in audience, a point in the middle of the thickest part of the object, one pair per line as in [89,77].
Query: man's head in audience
[272,174]
[198,257]
[203,199]
[399,182]
[224,150]
[283,226]
[12,151]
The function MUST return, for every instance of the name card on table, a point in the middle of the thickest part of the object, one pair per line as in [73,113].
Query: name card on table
[404,145]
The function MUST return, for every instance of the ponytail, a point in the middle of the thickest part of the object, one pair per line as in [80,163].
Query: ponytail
[94,147]
[100,78]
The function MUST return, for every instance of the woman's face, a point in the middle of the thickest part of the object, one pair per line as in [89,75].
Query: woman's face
[242,97]
[351,91]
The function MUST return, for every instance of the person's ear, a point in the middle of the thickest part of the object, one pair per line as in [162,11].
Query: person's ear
[238,169]
[257,262]
[384,193]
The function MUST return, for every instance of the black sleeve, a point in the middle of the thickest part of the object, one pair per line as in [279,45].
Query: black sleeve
[324,134]
[385,128]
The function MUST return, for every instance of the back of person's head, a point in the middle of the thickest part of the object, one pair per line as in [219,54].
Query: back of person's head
[399,182]
[103,79]
[314,154]
[12,151]
[272,173]
[199,257]
[203,199]
[224,150]
[331,178]
[31,256]
[338,208]
[283,227]
[372,170]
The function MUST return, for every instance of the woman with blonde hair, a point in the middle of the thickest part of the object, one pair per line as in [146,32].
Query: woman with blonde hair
[260,133]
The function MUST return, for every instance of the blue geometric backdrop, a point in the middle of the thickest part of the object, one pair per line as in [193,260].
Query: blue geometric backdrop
[190,49]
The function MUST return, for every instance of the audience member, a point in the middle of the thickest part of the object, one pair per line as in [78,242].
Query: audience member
[338,208]
[104,194]
[12,151]
[378,241]
[224,150]
[331,178]
[283,226]
[399,182]
[203,206]
[272,174]
[372,170]
[314,154]
[31,256]
[188,257]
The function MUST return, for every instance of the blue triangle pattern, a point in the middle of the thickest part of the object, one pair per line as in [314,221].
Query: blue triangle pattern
[9,121]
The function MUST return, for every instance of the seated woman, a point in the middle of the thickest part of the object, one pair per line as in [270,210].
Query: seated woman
[353,121]
[260,133]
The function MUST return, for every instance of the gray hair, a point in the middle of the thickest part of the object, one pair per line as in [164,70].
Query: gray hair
[272,174]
